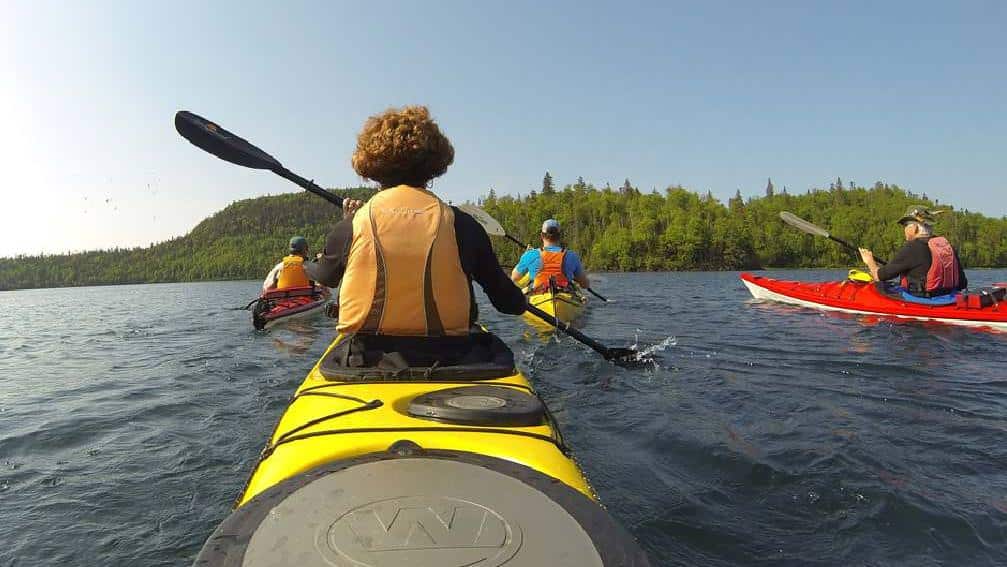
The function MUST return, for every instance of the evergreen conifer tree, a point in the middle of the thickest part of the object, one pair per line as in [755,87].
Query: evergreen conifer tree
[547,186]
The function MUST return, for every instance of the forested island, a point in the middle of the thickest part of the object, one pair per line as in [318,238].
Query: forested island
[614,229]
[625,229]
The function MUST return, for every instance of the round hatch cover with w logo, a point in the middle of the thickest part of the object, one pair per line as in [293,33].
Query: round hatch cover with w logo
[428,529]
[431,509]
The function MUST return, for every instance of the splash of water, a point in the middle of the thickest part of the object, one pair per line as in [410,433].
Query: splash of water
[646,354]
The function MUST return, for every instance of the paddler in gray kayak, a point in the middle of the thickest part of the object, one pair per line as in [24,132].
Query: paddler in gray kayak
[927,265]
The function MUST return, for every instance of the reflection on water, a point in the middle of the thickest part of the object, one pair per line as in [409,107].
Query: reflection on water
[293,337]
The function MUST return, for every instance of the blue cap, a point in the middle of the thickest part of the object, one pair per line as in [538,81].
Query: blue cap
[551,225]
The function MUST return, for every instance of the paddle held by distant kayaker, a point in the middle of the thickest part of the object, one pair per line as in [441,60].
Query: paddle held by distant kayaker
[553,261]
[405,260]
[290,273]
[927,265]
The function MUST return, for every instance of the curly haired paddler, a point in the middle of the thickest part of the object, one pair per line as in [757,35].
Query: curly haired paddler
[405,261]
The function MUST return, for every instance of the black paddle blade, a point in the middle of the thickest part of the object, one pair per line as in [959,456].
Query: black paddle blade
[221,143]
[628,357]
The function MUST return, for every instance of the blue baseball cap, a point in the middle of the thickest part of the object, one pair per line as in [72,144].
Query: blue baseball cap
[551,225]
[298,244]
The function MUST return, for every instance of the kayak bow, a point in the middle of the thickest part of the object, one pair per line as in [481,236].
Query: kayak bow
[452,465]
[563,305]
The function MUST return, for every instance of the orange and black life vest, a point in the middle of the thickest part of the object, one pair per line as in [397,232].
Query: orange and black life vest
[292,274]
[552,267]
[403,274]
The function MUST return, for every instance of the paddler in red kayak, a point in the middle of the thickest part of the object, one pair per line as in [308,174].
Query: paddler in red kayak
[405,261]
[927,265]
[289,273]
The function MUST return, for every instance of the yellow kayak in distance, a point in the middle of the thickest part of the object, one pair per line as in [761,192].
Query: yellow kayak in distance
[393,465]
[566,306]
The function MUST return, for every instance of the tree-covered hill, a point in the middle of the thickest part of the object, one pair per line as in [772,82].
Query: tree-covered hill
[625,229]
[620,229]
[242,241]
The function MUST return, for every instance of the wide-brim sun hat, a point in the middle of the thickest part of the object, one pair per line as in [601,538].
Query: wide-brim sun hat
[917,213]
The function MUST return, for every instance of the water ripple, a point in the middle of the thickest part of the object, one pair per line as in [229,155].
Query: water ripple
[762,435]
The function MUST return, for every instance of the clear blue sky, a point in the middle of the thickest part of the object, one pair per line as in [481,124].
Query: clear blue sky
[713,95]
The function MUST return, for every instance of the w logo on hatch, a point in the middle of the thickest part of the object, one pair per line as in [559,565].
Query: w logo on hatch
[422,530]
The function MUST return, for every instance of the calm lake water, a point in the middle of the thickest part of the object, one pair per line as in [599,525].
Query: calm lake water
[130,417]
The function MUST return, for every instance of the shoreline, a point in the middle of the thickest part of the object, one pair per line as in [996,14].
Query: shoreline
[599,272]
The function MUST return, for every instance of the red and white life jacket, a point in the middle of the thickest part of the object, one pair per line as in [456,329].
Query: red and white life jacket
[944,267]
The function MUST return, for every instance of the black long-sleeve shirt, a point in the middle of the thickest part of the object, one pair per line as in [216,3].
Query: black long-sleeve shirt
[913,261]
[478,260]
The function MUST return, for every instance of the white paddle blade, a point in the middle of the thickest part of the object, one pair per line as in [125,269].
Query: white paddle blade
[802,225]
[491,225]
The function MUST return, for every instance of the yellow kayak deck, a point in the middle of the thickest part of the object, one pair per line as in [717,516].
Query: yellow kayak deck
[563,305]
[329,420]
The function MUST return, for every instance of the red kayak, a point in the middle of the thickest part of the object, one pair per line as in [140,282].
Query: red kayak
[284,305]
[979,308]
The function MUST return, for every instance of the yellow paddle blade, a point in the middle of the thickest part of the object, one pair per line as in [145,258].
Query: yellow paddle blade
[492,226]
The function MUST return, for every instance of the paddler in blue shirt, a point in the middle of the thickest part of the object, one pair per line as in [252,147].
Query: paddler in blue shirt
[551,261]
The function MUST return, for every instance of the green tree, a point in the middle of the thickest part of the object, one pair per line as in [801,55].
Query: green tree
[627,188]
[547,186]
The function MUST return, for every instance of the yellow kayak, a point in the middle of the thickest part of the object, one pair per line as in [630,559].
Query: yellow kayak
[437,465]
[563,305]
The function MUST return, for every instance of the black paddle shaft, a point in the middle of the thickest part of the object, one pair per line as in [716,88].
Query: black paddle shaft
[853,248]
[228,146]
[614,354]
[815,230]
[309,186]
[515,240]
